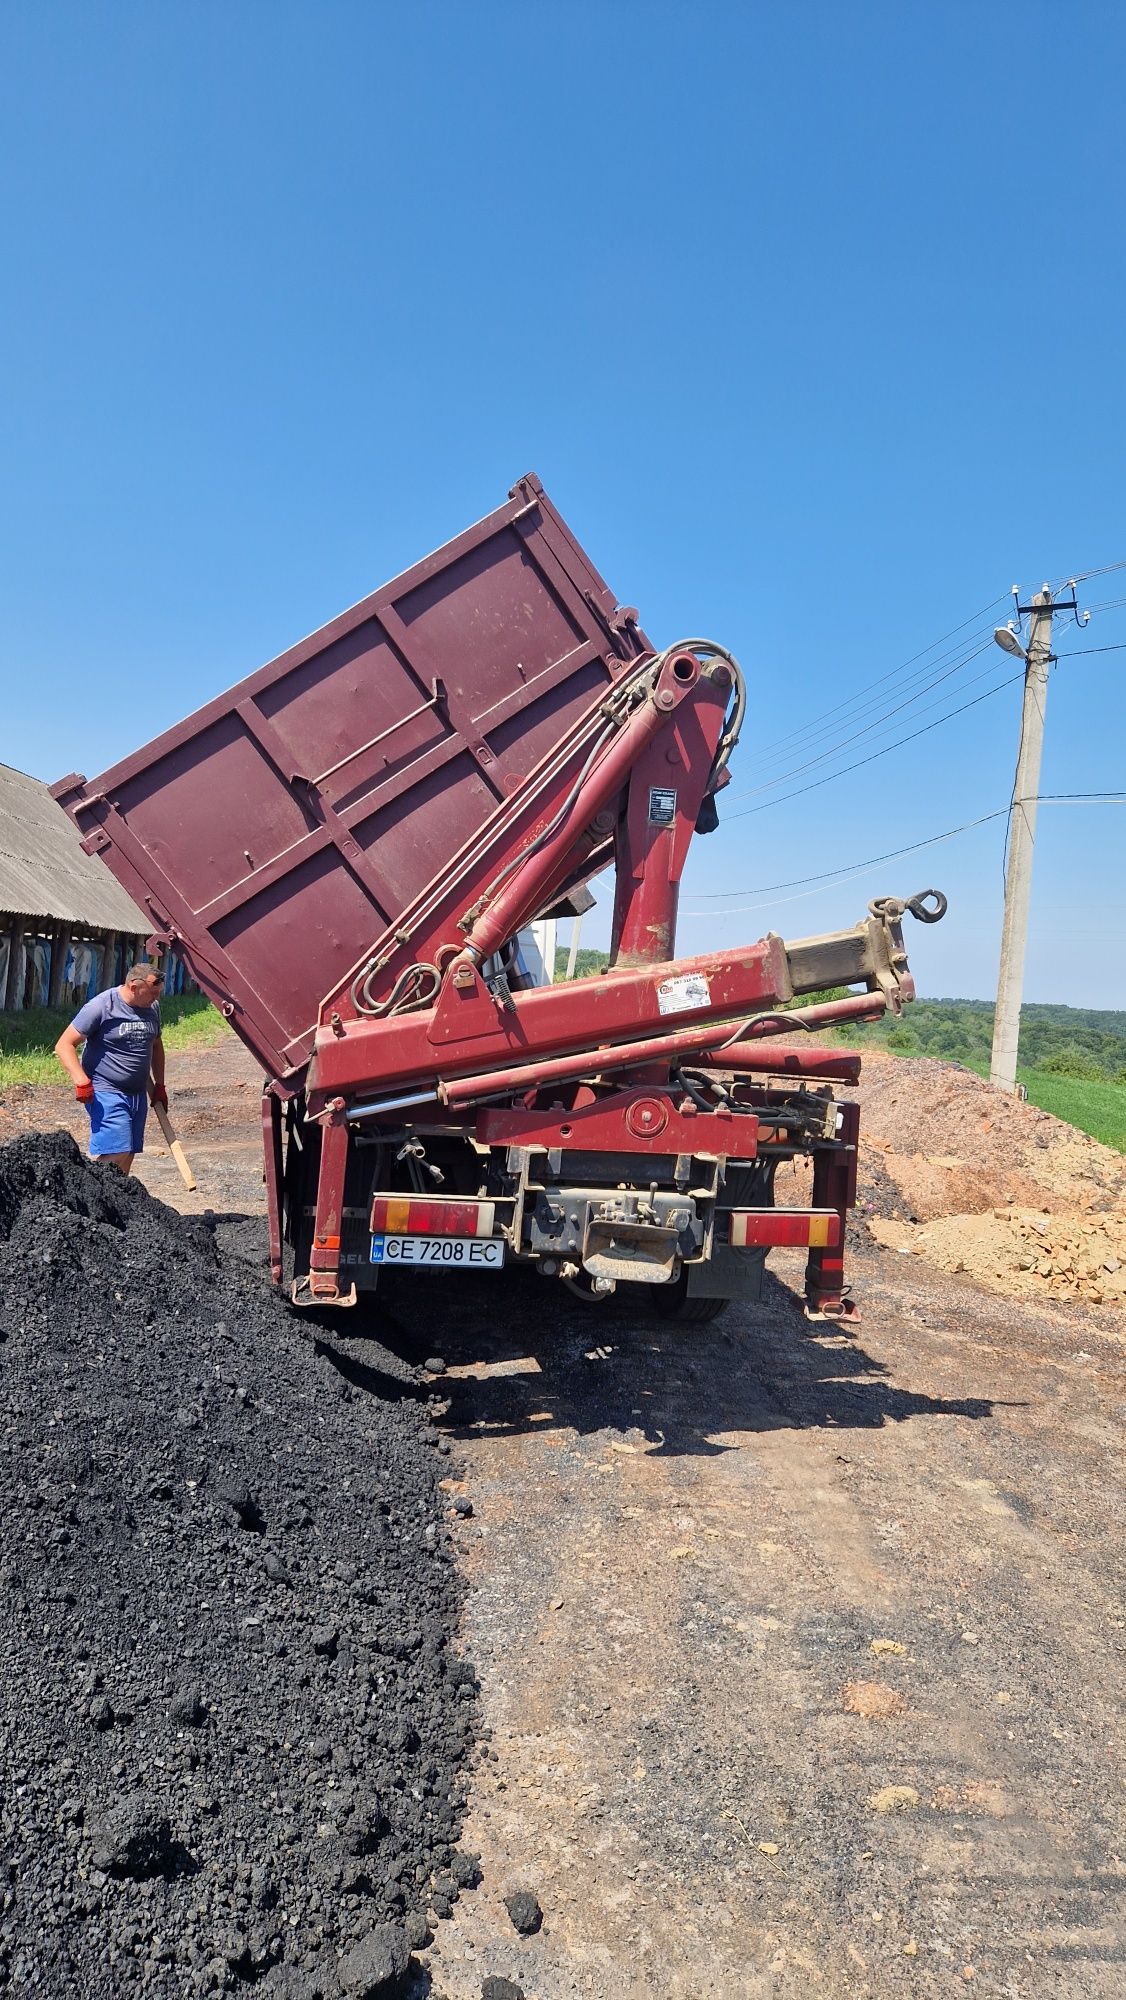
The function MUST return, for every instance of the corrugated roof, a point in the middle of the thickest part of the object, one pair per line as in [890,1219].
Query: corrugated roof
[43,871]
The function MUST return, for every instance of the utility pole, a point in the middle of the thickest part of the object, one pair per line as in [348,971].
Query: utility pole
[1022,834]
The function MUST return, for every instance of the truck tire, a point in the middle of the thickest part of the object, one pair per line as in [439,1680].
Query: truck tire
[673,1302]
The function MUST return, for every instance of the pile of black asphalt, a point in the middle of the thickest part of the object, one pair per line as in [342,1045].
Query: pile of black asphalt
[234,1727]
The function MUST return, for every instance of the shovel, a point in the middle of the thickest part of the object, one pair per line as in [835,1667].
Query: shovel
[174,1146]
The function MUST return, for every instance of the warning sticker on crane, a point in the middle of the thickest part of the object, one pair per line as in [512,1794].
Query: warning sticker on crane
[662,805]
[682,994]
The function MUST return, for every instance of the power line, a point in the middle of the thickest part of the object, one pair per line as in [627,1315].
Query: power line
[869,728]
[812,731]
[860,762]
[893,854]
[850,870]
[1086,575]
[882,680]
[809,733]
[892,681]
[804,738]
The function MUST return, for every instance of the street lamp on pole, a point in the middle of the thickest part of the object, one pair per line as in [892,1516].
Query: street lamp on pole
[1008,638]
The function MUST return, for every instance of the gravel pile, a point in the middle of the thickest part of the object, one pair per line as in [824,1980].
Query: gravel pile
[234,1726]
[1025,1254]
[955,1146]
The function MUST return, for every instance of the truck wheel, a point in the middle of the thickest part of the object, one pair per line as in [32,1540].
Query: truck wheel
[674,1302]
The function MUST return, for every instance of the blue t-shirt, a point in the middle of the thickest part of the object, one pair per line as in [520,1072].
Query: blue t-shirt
[119,1039]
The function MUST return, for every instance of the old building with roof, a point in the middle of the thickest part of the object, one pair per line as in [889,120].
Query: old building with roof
[67,928]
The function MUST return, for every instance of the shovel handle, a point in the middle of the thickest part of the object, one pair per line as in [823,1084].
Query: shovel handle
[174,1146]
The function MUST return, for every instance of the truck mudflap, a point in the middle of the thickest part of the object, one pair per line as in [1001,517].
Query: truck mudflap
[834,1188]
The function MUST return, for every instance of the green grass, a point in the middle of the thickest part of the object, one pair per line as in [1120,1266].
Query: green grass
[27,1040]
[1072,1060]
[1097,1108]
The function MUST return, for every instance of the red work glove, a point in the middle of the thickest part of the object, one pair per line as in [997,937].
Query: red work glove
[84,1092]
[160,1096]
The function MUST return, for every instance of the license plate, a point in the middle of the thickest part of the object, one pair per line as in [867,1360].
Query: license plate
[440,1253]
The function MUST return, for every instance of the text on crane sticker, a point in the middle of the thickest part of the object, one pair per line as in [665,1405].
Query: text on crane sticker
[682,994]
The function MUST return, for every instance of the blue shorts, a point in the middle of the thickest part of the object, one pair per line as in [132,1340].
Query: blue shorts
[117,1122]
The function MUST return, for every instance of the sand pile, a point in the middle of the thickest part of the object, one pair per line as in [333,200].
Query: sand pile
[979,1183]
[955,1146]
[1023,1252]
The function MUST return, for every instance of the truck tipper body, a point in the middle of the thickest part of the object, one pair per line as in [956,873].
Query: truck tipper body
[345,848]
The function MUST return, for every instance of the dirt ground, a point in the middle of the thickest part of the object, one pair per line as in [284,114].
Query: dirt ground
[802,1653]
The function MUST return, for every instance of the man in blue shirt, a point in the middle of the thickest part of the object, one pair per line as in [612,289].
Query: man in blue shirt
[122,1052]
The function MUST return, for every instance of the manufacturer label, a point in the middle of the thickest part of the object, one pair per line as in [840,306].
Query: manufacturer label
[682,994]
[662,805]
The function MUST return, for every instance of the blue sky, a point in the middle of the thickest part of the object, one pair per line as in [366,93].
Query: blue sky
[810,319]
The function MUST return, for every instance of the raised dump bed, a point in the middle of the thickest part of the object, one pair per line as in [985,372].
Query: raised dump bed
[278,830]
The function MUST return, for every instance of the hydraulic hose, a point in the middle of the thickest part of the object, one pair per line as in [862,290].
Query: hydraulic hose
[418,985]
[710,649]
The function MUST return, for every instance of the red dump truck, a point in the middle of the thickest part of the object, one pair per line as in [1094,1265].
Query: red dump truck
[344,849]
